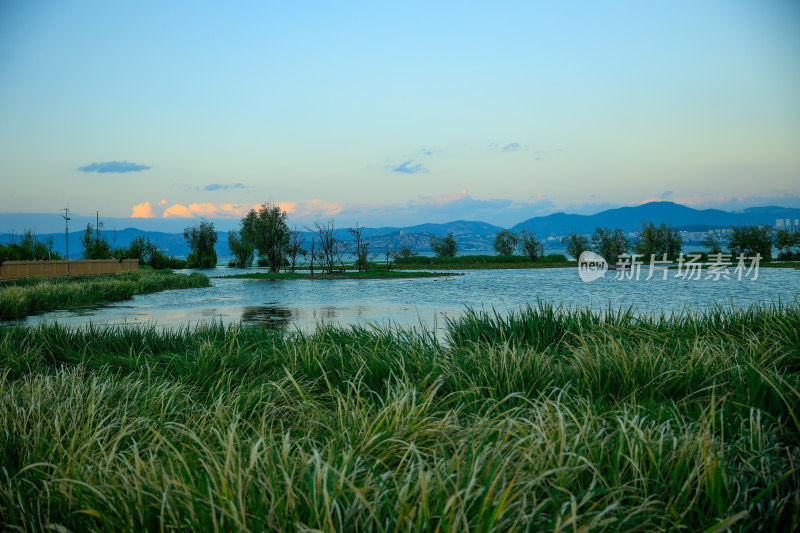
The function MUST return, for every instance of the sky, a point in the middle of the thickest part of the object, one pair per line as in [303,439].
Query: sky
[394,114]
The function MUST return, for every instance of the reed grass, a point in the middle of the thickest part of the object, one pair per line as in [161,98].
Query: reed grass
[22,298]
[542,420]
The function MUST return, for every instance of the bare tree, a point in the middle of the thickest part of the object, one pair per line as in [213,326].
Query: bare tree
[328,253]
[361,249]
[313,240]
[296,241]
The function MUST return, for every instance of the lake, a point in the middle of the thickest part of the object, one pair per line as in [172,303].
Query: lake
[286,304]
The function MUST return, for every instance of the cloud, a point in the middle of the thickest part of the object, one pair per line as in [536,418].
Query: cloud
[447,207]
[447,198]
[513,147]
[221,187]
[729,202]
[143,210]
[311,209]
[425,151]
[407,168]
[665,195]
[209,210]
[118,167]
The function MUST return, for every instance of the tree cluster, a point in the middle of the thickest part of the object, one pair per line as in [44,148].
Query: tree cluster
[29,248]
[750,240]
[658,241]
[201,239]
[788,245]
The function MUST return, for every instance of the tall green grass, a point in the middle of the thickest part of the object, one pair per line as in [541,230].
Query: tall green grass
[22,298]
[543,420]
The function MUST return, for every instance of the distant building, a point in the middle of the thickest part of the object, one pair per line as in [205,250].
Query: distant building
[779,223]
[796,222]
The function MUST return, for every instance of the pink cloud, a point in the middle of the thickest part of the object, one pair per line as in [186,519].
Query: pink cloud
[207,210]
[447,198]
[143,210]
[177,210]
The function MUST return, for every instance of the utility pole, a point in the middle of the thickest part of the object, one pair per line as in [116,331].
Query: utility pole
[66,228]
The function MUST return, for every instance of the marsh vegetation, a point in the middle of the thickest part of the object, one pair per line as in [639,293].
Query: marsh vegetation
[542,419]
[35,295]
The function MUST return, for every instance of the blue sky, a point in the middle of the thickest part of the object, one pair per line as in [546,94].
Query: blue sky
[397,114]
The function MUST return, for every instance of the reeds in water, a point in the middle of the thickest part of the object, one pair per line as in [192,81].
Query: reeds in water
[23,298]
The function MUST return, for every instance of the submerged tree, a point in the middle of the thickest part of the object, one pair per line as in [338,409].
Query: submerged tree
[201,239]
[330,250]
[295,249]
[242,253]
[361,248]
[265,230]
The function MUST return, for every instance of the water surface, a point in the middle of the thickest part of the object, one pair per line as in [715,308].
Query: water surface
[304,303]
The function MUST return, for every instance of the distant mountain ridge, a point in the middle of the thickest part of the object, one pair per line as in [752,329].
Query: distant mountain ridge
[631,218]
[479,236]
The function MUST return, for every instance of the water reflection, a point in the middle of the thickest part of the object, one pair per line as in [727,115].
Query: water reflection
[302,304]
[271,316]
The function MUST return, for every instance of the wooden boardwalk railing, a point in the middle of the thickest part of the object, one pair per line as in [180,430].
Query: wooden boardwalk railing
[64,269]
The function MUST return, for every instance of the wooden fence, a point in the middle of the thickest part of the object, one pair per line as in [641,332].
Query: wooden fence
[65,269]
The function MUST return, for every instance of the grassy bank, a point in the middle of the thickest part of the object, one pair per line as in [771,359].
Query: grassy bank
[347,274]
[25,297]
[482,261]
[542,421]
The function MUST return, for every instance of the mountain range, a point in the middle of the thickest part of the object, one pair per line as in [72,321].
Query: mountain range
[474,236]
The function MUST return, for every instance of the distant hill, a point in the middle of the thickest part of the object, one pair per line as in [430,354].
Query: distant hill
[474,236]
[631,218]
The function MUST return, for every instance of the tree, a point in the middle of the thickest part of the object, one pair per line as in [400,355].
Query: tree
[712,243]
[201,239]
[786,241]
[532,246]
[505,242]
[750,240]
[444,247]
[575,244]
[330,250]
[362,248]
[610,244]
[265,230]
[141,248]
[93,244]
[404,252]
[296,241]
[29,248]
[650,242]
[242,252]
[658,240]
